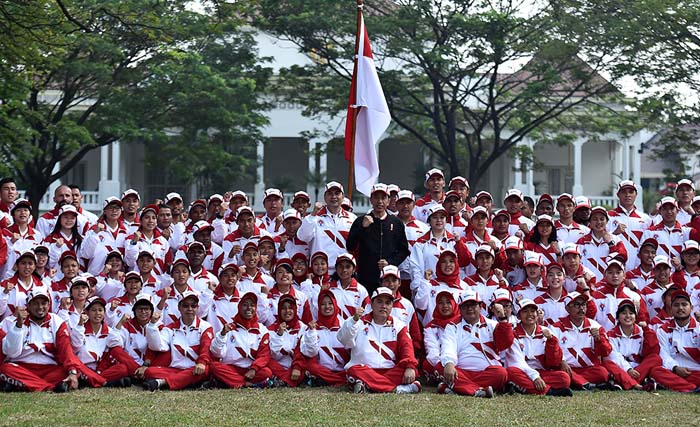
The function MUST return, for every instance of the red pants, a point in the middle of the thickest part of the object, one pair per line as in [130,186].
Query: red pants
[378,380]
[589,374]
[435,371]
[468,382]
[286,374]
[177,379]
[334,378]
[552,379]
[123,358]
[624,379]
[234,376]
[32,376]
[674,382]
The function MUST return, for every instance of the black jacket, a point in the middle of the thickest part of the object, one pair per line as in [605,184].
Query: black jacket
[383,239]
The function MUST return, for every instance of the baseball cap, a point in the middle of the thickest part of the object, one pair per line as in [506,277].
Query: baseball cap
[189,294]
[435,209]
[545,198]
[393,188]
[554,266]
[625,303]
[67,255]
[651,242]
[131,192]
[291,213]
[244,210]
[582,202]
[143,299]
[533,258]
[484,249]
[545,218]
[109,200]
[459,179]
[695,200]
[272,192]
[513,192]
[194,243]
[486,194]
[382,290]
[250,245]
[335,184]
[347,257]
[406,194]
[301,195]
[480,210]
[38,292]
[526,302]
[21,203]
[95,300]
[615,261]
[229,266]
[172,196]
[452,193]
[434,171]
[514,242]
[566,196]
[626,184]
[201,225]
[668,201]
[467,296]
[213,197]
[136,276]
[149,208]
[690,245]
[680,293]
[573,296]
[380,188]
[501,294]
[502,212]
[572,248]
[284,262]
[686,182]
[197,202]
[26,254]
[146,251]
[390,270]
[67,208]
[600,209]
[662,260]
[239,193]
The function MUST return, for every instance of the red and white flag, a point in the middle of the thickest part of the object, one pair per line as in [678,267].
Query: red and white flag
[373,117]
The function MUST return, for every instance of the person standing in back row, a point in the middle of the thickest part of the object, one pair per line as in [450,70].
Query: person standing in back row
[378,239]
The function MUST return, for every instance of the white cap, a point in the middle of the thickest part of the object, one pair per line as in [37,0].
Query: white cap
[216,196]
[144,297]
[661,259]
[245,209]
[201,225]
[482,193]
[85,278]
[625,184]
[239,193]
[686,182]
[694,201]
[668,200]
[434,171]
[146,251]
[435,209]
[110,200]
[380,188]
[484,248]
[390,270]
[172,196]
[571,248]
[573,296]
[600,209]
[131,192]
[514,242]
[26,254]
[466,296]
[133,275]
[583,202]
[406,194]
[615,261]
[291,213]
[481,210]
[189,294]
[513,192]
[452,193]
[38,291]
[348,257]
[566,196]
[393,188]
[533,258]
[273,192]
[459,179]
[67,208]
[690,245]
[335,184]
[501,294]
[382,290]
[301,194]
[526,302]
[545,218]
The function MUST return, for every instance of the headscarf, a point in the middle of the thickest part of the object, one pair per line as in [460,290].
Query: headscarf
[251,323]
[439,319]
[293,324]
[452,279]
[303,257]
[332,321]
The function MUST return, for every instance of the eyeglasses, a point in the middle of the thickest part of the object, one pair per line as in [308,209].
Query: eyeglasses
[578,304]
[189,305]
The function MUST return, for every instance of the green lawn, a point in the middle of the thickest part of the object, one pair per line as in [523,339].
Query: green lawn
[326,407]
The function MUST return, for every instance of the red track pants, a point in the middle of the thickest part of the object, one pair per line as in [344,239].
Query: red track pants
[553,379]
[234,376]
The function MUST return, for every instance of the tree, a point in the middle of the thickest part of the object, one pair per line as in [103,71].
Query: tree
[81,74]
[467,79]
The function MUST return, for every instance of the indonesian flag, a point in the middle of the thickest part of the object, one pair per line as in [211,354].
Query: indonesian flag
[372,118]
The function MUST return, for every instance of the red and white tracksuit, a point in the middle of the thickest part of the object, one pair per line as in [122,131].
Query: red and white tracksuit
[640,278]
[680,347]
[38,356]
[638,351]
[594,253]
[422,208]
[534,356]
[652,296]
[98,244]
[158,244]
[607,299]
[239,351]
[303,307]
[582,352]
[425,294]
[670,239]
[327,232]
[351,298]
[528,290]
[235,238]
[286,354]
[637,223]
[379,354]
[425,253]
[171,312]
[326,356]
[93,348]
[475,351]
[188,345]
[555,309]
[570,233]
[17,297]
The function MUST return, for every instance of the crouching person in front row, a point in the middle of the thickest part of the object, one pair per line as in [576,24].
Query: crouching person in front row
[382,358]
[187,340]
[470,353]
[242,349]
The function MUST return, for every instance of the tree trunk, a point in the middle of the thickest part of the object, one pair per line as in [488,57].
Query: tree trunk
[38,185]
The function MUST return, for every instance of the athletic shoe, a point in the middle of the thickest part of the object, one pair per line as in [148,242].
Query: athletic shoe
[412,388]
[359,387]
[443,388]
[588,387]
[150,385]
[486,393]
[512,387]
[120,383]
[61,387]
[649,385]
[560,392]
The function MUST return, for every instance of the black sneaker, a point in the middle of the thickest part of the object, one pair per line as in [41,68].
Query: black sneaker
[9,388]
[512,388]
[649,385]
[120,383]
[560,392]
[359,387]
[150,385]
[588,387]
[61,387]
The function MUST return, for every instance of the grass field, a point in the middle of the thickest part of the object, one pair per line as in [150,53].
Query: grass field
[327,407]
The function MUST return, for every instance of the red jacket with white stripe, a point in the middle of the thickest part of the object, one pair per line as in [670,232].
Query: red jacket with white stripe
[322,343]
[670,239]
[476,347]
[425,253]
[377,346]
[608,298]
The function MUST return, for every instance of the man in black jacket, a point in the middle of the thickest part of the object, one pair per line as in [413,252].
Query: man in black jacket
[377,239]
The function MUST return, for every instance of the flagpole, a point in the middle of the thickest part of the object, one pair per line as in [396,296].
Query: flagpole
[351,171]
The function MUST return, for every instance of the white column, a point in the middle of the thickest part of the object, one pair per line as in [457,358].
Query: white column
[311,184]
[260,180]
[626,159]
[109,185]
[104,163]
[530,174]
[578,187]
[323,163]
[517,172]
[617,170]
[116,160]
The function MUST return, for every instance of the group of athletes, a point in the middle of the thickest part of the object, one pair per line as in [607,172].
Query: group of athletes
[535,298]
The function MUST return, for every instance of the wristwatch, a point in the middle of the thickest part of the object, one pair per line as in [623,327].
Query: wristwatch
[72,372]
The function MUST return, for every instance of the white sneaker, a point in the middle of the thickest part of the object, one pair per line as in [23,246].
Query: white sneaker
[412,388]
